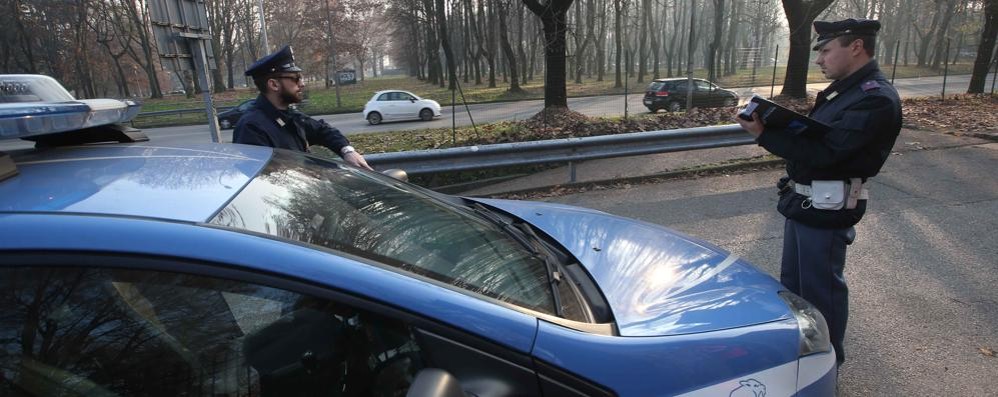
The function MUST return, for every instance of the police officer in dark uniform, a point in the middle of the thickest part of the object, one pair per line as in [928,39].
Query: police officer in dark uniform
[825,193]
[272,122]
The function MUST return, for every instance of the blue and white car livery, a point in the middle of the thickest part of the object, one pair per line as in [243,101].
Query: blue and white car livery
[222,269]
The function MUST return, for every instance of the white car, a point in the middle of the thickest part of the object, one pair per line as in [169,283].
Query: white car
[399,105]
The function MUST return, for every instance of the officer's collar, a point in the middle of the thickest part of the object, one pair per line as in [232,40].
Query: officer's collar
[855,78]
[268,108]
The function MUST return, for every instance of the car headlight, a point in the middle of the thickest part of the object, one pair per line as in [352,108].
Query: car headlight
[814,336]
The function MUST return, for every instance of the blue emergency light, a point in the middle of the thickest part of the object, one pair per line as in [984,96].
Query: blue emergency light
[32,105]
[38,108]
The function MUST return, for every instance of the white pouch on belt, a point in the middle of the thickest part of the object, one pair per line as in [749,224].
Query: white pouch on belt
[828,195]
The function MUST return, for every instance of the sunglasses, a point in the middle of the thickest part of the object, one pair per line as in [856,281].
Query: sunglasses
[295,78]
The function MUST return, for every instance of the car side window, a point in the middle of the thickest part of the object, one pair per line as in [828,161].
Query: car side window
[702,86]
[385,97]
[111,332]
[405,97]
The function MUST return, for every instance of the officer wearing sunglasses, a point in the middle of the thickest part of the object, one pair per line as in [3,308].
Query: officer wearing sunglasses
[273,122]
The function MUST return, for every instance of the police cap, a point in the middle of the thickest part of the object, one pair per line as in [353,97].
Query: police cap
[829,30]
[281,61]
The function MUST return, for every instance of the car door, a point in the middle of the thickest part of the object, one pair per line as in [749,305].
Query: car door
[703,97]
[386,105]
[680,89]
[407,106]
[120,325]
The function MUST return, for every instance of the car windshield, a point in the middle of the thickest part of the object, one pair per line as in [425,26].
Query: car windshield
[372,216]
[655,86]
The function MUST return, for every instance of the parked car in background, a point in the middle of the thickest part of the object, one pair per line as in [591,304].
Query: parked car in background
[670,94]
[230,117]
[140,268]
[399,105]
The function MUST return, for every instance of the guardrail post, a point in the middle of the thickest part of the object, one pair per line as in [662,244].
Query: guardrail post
[571,167]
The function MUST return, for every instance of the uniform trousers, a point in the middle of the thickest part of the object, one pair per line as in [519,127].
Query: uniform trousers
[813,264]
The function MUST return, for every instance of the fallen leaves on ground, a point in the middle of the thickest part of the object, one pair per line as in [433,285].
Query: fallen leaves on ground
[958,114]
[987,351]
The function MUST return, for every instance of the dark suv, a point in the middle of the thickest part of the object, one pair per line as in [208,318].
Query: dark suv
[670,94]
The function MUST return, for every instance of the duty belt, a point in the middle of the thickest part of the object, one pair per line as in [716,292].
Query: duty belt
[855,191]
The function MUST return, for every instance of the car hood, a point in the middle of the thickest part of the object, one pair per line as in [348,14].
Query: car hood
[657,281]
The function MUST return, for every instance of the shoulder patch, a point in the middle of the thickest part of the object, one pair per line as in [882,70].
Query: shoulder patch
[870,85]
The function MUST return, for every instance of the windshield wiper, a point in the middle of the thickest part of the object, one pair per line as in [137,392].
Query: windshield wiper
[523,233]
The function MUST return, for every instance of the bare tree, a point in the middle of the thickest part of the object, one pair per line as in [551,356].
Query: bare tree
[942,34]
[445,43]
[502,10]
[800,15]
[713,61]
[984,50]
[552,14]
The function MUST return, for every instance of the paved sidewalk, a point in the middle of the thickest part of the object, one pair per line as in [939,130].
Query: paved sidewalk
[608,170]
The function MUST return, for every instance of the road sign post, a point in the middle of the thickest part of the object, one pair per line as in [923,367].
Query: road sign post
[183,38]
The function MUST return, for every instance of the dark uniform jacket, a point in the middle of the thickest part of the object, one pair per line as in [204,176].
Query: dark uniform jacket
[864,111]
[265,125]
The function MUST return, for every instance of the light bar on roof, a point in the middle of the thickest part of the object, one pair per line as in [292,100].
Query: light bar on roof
[19,120]
[32,105]
[104,111]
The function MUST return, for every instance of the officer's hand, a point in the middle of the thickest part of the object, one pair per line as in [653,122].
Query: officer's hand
[356,160]
[753,127]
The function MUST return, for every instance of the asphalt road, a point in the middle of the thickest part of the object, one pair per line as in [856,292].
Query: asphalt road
[609,105]
[922,272]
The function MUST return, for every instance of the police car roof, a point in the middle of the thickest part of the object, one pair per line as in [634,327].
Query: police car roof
[183,183]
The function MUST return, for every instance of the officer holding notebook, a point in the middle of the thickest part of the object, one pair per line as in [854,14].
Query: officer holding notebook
[825,191]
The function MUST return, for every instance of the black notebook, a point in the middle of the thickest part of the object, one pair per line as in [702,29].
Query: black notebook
[775,116]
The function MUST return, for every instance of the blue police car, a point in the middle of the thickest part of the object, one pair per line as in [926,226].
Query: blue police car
[129,268]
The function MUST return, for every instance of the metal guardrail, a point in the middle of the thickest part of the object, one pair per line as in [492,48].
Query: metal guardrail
[180,111]
[560,150]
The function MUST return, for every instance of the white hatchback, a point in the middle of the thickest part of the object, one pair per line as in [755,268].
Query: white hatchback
[399,105]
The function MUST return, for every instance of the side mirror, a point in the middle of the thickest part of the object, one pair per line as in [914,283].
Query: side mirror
[413,100]
[435,382]
[397,174]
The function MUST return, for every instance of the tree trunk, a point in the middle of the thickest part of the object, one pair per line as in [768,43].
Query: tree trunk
[490,42]
[800,15]
[514,74]
[712,56]
[731,45]
[984,50]
[643,40]
[521,53]
[926,38]
[618,32]
[941,35]
[601,43]
[553,18]
[445,42]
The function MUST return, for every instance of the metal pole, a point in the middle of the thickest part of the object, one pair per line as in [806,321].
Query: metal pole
[894,68]
[776,59]
[453,115]
[571,169]
[945,69]
[201,57]
[263,31]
